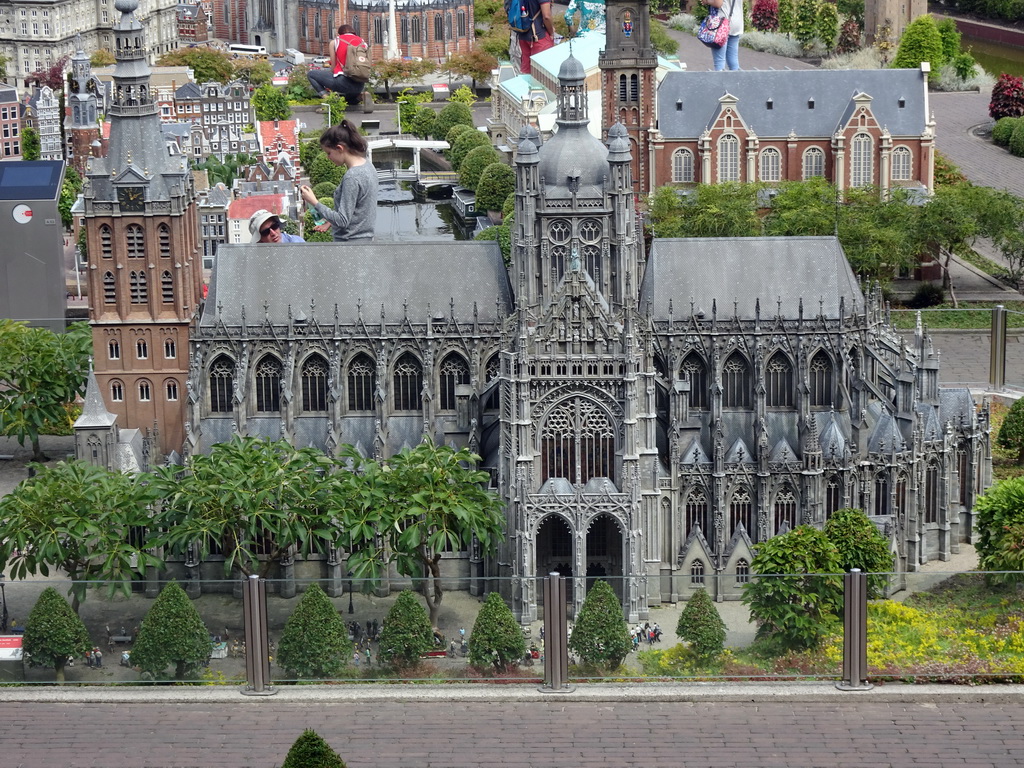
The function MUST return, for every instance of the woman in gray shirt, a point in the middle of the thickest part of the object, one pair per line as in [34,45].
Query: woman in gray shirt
[354,215]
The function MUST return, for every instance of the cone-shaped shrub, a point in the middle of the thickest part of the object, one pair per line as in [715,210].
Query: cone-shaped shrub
[496,641]
[600,637]
[53,632]
[407,634]
[315,639]
[171,633]
[701,626]
[311,751]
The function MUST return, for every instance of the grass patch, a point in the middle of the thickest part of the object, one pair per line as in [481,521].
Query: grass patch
[970,316]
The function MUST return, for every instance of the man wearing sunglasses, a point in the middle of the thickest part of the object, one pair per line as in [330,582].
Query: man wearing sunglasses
[266,227]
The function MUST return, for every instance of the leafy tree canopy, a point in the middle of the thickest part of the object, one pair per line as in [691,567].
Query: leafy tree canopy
[600,637]
[30,146]
[454,113]
[921,41]
[53,633]
[209,65]
[315,641]
[102,57]
[1011,433]
[476,160]
[388,71]
[255,72]
[171,633]
[860,545]
[407,633]
[701,626]
[270,103]
[497,640]
[1000,525]
[475,64]
[497,182]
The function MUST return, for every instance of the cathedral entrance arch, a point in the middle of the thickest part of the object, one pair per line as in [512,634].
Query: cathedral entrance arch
[555,553]
[605,553]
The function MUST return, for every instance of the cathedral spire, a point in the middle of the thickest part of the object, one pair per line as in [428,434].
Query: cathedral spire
[131,94]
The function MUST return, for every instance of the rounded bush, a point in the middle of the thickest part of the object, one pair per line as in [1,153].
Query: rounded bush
[462,146]
[473,165]
[600,637]
[701,626]
[496,641]
[1007,97]
[325,189]
[454,132]
[315,641]
[920,42]
[454,113]
[496,183]
[407,634]
[1017,140]
[927,295]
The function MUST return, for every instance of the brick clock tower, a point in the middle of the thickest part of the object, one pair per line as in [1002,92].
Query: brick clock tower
[628,64]
[145,277]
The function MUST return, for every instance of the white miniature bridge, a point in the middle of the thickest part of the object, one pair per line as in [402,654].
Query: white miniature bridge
[415,173]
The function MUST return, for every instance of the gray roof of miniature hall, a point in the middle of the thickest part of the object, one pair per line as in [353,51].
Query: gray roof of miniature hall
[789,91]
[745,269]
[359,278]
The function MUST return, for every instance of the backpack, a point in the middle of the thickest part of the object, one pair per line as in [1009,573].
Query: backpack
[518,19]
[358,66]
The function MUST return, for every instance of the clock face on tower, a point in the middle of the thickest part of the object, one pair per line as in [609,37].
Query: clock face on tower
[131,199]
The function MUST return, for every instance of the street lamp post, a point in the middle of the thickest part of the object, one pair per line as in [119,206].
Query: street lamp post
[3,605]
[351,608]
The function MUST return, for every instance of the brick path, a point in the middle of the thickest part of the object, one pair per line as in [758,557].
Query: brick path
[556,733]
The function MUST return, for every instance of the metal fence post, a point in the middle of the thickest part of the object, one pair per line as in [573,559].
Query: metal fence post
[556,640]
[855,632]
[997,354]
[257,640]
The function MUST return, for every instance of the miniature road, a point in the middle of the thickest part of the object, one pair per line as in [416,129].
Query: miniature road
[847,732]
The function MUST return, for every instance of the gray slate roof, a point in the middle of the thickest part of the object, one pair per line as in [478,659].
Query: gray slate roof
[745,269]
[353,275]
[789,92]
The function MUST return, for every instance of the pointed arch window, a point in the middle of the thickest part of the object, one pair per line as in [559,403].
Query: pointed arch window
[448,25]
[741,512]
[167,288]
[417,33]
[106,242]
[164,236]
[491,372]
[314,384]
[778,381]
[109,288]
[454,371]
[901,495]
[785,509]
[860,160]
[902,165]
[222,385]
[438,27]
[736,389]
[962,471]
[697,573]
[408,382]
[728,158]
[405,30]
[833,495]
[578,442]
[682,166]
[317,27]
[268,385]
[931,493]
[136,241]
[137,287]
[695,371]
[742,571]
[820,380]
[362,381]
[882,494]
[813,163]
[696,512]
[771,165]
[462,23]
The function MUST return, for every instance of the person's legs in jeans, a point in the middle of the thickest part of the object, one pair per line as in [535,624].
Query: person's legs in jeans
[324,80]
[732,52]
[718,58]
[320,80]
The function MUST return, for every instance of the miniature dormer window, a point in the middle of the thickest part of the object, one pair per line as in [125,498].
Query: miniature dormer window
[769,104]
[810,103]
[902,103]
[679,105]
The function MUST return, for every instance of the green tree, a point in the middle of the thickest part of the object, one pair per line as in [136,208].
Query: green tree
[309,234]
[1000,526]
[827,25]
[787,16]
[171,633]
[337,107]
[457,130]
[30,146]
[496,641]
[722,210]
[4,61]
[803,208]
[269,103]
[1011,433]
[323,171]
[798,591]
[860,545]
[41,374]
[949,33]
[423,123]
[463,144]
[68,195]
[73,516]
[412,508]
[921,41]
[701,626]
[102,57]
[311,751]
[255,72]
[661,42]
[53,633]
[454,113]
[309,150]
[463,95]
[876,232]
[299,88]
[315,641]
[408,71]
[600,637]
[503,235]
[805,26]
[476,64]
[249,496]
[324,189]
[496,183]
[208,64]
[407,633]
[474,163]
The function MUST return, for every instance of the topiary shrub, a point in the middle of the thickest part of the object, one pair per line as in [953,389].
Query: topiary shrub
[1016,143]
[463,144]
[1003,130]
[701,626]
[1007,97]
[503,234]
[600,638]
[497,182]
[796,610]
[315,639]
[1000,525]
[496,641]
[765,16]
[508,208]
[927,295]
[454,113]
[53,632]
[311,751]
[407,634]
[454,132]
[921,41]
[1011,433]
[171,633]
[860,545]
[325,189]
[476,160]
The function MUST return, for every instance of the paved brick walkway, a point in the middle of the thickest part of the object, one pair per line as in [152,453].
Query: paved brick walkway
[556,733]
